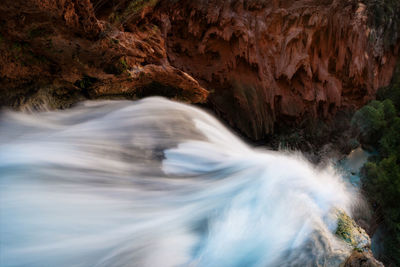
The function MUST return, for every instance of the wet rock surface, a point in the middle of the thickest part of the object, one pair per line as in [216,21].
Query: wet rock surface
[362,259]
[351,233]
[356,237]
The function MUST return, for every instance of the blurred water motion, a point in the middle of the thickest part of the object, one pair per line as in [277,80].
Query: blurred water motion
[157,183]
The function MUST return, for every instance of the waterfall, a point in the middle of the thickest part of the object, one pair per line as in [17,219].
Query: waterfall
[158,183]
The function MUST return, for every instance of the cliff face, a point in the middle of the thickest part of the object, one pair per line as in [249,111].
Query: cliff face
[55,53]
[268,61]
[262,61]
[258,63]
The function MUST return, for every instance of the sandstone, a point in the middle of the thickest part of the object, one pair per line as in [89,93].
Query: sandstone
[257,64]
[56,53]
[271,61]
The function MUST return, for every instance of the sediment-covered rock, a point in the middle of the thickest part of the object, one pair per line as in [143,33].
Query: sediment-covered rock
[348,230]
[356,237]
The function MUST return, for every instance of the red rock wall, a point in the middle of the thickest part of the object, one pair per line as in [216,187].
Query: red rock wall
[55,53]
[263,62]
[267,61]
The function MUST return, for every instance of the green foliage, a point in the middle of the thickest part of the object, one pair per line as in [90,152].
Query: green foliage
[383,183]
[123,64]
[390,140]
[118,67]
[370,119]
[384,180]
[389,110]
[379,125]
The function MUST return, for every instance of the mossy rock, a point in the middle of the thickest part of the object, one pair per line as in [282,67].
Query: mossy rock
[348,230]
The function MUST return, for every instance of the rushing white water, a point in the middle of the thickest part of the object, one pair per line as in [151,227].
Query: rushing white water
[157,183]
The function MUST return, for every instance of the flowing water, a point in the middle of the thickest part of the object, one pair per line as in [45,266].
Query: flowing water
[158,183]
[352,164]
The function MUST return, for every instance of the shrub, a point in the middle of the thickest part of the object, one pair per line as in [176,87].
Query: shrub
[370,119]
[379,124]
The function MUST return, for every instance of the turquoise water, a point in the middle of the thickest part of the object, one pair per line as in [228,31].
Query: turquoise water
[158,183]
[352,164]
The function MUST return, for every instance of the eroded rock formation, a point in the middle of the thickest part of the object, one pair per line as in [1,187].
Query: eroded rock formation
[362,259]
[261,62]
[267,61]
[55,53]
[256,62]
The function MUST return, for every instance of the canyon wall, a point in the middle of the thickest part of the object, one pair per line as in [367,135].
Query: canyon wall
[257,63]
[270,61]
[55,53]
